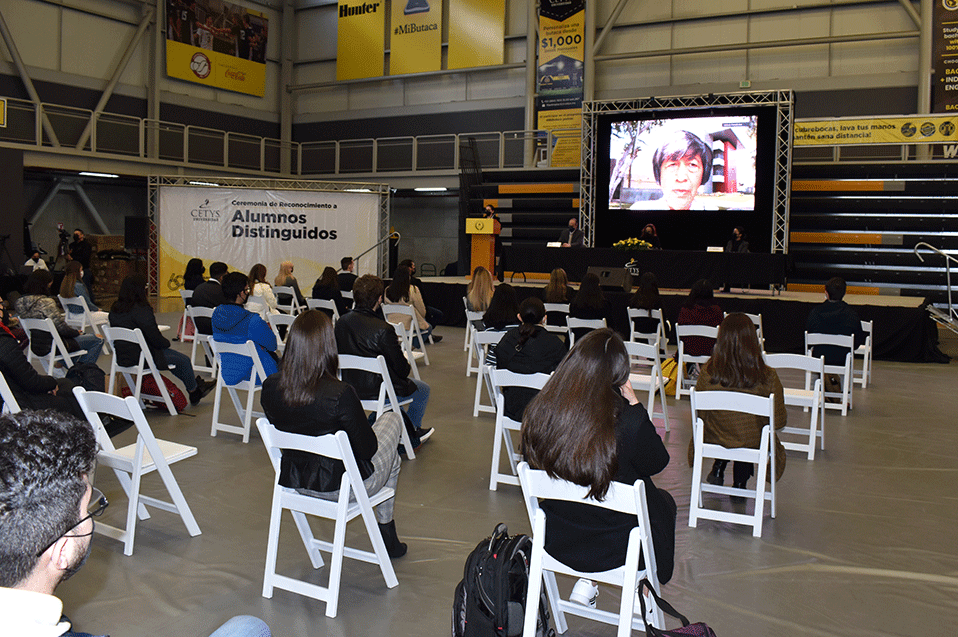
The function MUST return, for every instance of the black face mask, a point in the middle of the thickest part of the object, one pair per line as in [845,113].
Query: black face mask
[76,237]
[571,228]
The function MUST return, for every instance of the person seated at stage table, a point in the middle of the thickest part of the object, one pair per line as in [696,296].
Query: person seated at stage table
[327,289]
[232,323]
[401,291]
[72,285]
[35,262]
[193,276]
[572,237]
[528,349]
[834,316]
[502,314]
[261,299]
[346,276]
[647,297]
[680,166]
[699,309]
[209,294]
[737,243]
[651,236]
[479,291]
[590,303]
[286,278]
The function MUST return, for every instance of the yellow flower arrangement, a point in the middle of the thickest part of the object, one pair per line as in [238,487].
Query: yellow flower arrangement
[632,244]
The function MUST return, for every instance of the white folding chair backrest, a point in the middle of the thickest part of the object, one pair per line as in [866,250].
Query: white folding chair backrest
[275,320]
[628,499]
[186,295]
[133,374]
[250,385]
[561,308]
[10,404]
[757,322]
[648,337]
[810,397]
[347,294]
[387,393]
[576,323]
[324,304]
[405,341]
[201,340]
[764,457]
[481,342]
[293,307]
[844,371]
[865,350]
[58,351]
[132,462]
[77,313]
[414,331]
[500,379]
[470,333]
[353,501]
[684,358]
[646,356]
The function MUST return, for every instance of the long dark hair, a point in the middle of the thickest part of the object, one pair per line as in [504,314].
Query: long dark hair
[589,294]
[194,268]
[328,279]
[38,283]
[568,430]
[132,294]
[736,360]
[70,279]
[398,289]
[257,274]
[503,308]
[310,355]
[701,294]
[531,312]
[647,297]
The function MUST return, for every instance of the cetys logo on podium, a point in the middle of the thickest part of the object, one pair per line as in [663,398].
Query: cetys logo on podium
[480,225]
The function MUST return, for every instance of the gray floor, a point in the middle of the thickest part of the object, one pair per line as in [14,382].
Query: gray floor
[864,542]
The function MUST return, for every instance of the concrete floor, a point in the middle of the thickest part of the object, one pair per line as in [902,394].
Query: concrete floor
[863,544]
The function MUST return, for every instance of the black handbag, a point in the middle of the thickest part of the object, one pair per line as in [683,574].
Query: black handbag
[698,629]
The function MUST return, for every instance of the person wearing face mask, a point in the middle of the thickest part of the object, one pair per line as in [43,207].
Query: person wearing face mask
[572,237]
[81,250]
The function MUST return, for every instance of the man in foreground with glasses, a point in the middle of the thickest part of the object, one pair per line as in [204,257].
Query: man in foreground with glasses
[47,508]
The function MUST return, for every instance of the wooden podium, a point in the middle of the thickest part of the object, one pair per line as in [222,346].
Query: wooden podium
[484,232]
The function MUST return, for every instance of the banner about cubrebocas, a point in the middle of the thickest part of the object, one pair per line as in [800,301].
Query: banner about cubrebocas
[242,227]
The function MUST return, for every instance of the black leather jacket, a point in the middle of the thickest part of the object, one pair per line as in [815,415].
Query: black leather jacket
[360,332]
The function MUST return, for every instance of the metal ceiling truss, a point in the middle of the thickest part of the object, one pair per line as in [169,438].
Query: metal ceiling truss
[783,101]
[155,181]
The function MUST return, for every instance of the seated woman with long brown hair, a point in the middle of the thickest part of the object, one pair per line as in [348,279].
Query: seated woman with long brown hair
[587,427]
[305,397]
[737,365]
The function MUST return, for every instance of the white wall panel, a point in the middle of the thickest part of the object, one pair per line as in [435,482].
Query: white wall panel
[315,34]
[866,58]
[697,8]
[436,90]
[92,46]
[709,33]
[654,38]
[790,26]
[634,76]
[496,84]
[376,95]
[36,32]
[854,20]
[792,62]
[709,68]
[635,12]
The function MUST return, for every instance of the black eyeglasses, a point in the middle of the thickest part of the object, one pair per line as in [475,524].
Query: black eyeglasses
[98,504]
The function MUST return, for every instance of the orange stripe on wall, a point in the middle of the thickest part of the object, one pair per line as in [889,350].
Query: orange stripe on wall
[811,287]
[850,185]
[834,237]
[518,189]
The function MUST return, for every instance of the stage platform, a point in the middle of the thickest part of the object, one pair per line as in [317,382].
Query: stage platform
[903,330]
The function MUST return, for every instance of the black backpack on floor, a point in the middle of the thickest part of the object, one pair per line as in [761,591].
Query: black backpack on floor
[490,599]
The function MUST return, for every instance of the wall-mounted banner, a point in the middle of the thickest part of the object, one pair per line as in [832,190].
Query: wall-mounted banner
[416,42]
[243,227]
[217,44]
[560,74]
[944,34]
[477,30]
[906,129]
[361,47]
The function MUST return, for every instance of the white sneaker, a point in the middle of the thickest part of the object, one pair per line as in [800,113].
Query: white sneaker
[585,592]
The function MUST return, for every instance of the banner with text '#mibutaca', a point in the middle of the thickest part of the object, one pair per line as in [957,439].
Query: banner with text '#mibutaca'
[242,227]
[361,46]
[416,42]
[560,74]
[216,44]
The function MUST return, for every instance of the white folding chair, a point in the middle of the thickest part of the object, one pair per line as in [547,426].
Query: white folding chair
[757,322]
[844,371]
[133,374]
[10,404]
[481,342]
[500,379]
[470,334]
[132,462]
[186,295]
[275,320]
[686,359]
[649,337]
[405,340]
[410,311]
[353,501]
[201,340]
[577,324]
[387,393]
[865,351]
[561,308]
[811,397]
[58,351]
[324,304]
[628,499]
[292,307]
[347,294]
[250,385]
[764,457]
[77,315]
[646,356]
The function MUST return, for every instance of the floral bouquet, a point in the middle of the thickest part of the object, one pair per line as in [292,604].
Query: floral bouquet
[632,244]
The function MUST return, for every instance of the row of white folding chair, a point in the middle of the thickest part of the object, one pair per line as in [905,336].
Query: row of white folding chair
[82,319]
[470,334]
[647,356]
[481,342]
[648,337]
[58,350]
[628,499]
[764,457]
[865,350]
[810,398]
[682,331]
[353,501]
[201,340]
[275,321]
[845,372]
[414,331]
[250,385]
[387,393]
[132,462]
[133,374]
[562,308]
[347,294]
[573,323]
[413,356]
[500,379]
[186,295]
[293,306]
[324,304]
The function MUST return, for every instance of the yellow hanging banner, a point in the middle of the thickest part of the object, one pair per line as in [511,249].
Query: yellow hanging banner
[477,30]
[910,129]
[360,49]
[416,42]
[560,75]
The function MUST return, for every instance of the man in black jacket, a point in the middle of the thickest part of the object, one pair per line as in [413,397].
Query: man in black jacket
[210,294]
[363,332]
[834,316]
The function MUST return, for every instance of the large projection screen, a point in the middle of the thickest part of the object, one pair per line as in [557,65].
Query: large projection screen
[243,226]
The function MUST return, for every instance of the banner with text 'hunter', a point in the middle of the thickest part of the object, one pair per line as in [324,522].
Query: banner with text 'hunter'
[560,74]
[242,227]
[416,42]
[360,48]
[477,29]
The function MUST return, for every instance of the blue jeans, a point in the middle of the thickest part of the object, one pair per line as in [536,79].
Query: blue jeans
[92,344]
[425,335]
[181,367]
[420,398]
[242,626]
